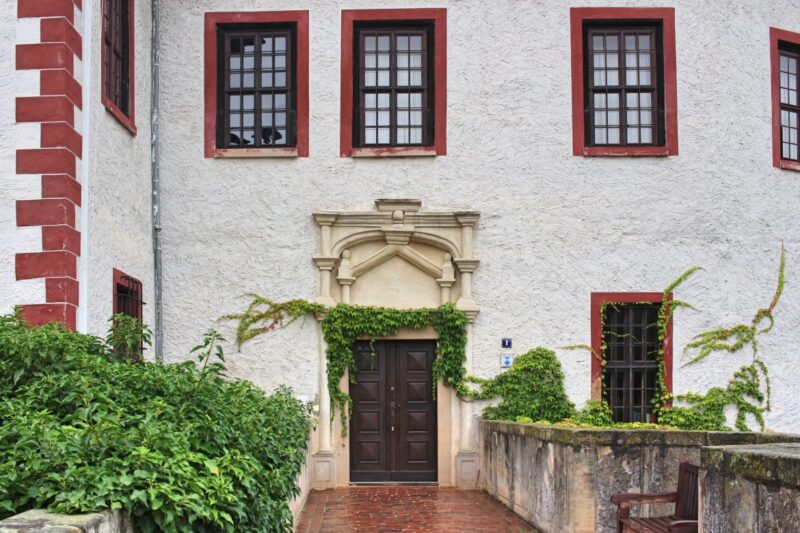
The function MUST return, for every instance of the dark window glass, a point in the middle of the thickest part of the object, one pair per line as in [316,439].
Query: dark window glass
[257,97]
[790,107]
[128,297]
[116,40]
[624,93]
[630,334]
[393,86]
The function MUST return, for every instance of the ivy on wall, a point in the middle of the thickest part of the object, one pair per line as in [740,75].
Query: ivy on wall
[343,324]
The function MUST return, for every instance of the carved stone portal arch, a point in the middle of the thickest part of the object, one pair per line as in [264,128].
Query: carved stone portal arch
[398,256]
[370,257]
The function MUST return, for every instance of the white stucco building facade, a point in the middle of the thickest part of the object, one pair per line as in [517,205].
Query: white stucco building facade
[529,225]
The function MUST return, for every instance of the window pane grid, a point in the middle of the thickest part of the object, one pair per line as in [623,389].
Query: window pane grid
[258,89]
[393,87]
[622,87]
[790,107]
[117,53]
[630,335]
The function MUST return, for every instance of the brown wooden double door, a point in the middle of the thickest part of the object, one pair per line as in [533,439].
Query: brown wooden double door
[393,426]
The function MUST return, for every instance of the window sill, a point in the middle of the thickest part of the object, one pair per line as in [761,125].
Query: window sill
[788,164]
[126,121]
[627,151]
[396,151]
[244,153]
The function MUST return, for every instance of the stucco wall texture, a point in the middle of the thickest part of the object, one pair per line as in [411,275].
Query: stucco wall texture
[553,228]
[119,188]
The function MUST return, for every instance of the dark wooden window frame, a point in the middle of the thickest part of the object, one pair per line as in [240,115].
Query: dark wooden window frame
[353,17]
[655,88]
[598,299]
[257,91]
[426,88]
[665,17]
[780,40]
[212,22]
[117,40]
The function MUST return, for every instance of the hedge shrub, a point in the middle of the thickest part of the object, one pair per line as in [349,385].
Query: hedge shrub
[533,387]
[178,447]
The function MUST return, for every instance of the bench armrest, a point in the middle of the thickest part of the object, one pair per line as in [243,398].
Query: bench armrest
[631,498]
[683,526]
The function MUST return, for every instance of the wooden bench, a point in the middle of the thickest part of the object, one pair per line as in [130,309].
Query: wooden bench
[685,499]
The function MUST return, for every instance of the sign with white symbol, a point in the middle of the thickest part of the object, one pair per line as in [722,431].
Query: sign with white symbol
[506,360]
[506,342]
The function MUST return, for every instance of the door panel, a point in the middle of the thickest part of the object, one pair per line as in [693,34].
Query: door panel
[393,427]
[368,435]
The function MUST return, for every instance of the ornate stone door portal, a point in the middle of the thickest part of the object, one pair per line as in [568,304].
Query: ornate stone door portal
[403,257]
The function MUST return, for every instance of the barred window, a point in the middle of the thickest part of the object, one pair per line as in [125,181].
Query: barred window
[257,107]
[624,92]
[127,295]
[630,335]
[394,86]
[117,51]
[789,105]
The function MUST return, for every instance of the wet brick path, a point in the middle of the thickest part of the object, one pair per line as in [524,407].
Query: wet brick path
[426,509]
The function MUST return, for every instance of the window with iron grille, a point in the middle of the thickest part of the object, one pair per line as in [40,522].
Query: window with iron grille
[624,90]
[630,335]
[789,61]
[393,85]
[257,86]
[127,295]
[117,51]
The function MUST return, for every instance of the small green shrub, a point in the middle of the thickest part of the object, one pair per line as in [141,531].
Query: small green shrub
[595,413]
[176,446]
[533,387]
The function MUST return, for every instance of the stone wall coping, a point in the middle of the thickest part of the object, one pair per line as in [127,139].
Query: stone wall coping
[42,520]
[580,436]
[770,464]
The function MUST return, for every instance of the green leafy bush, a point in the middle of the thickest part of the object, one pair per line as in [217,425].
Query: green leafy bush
[595,413]
[533,387]
[176,446]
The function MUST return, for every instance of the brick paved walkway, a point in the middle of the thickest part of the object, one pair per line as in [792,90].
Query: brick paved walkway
[405,509]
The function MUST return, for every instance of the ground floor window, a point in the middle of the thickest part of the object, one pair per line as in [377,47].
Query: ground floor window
[127,295]
[626,348]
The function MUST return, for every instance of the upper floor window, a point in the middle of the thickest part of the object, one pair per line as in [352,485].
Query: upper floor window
[785,99]
[624,81]
[256,84]
[393,87]
[393,82]
[118,61]
[257,101]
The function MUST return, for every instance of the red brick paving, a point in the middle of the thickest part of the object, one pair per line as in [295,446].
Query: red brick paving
[406,509]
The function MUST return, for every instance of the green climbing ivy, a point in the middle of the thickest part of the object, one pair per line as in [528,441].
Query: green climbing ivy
[532,389]
[264,315]
[343,324]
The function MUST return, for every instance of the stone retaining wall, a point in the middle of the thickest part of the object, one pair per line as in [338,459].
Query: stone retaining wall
[751,488]
[39,520]
[562,479]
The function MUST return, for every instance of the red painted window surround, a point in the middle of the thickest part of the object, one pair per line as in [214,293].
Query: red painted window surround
[212,20]
[776,36]
[439,18]
[578,15]
[600,298]
[128,121]
[123,280]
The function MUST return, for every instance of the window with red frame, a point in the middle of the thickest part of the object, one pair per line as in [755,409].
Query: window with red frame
[624,82]
[127,295]
[117,52]
[788,64]
[394,82]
